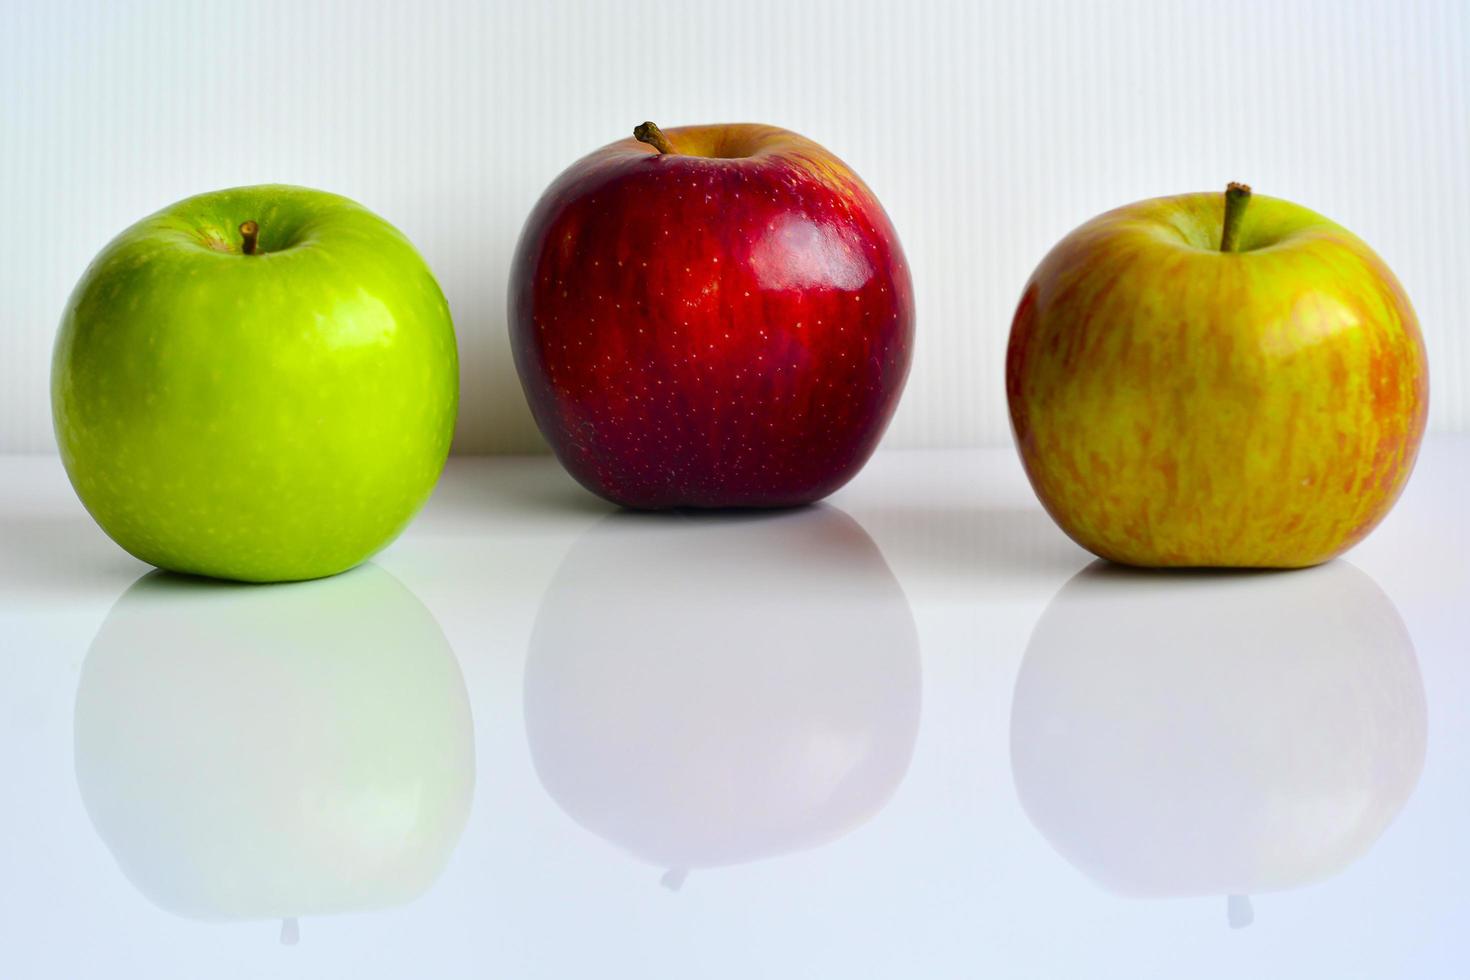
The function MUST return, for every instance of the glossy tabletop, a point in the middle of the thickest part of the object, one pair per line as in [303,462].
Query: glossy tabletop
[911,732]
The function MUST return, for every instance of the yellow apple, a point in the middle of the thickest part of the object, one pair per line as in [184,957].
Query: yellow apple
[1176,402]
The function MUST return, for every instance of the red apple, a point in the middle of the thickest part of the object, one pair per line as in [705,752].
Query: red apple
[712,316]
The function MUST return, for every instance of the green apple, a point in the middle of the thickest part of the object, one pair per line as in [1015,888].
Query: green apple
[274,752]
[256,384]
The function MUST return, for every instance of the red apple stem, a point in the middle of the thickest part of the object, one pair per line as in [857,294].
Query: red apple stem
[654,137]
[249,233]
[1237,196]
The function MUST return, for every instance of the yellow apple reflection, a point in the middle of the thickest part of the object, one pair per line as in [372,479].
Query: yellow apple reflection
[274,751]
[1186,734]
[708,690]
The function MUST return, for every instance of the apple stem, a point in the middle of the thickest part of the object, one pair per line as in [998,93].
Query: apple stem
[1237,196]
[654,137]
[290,932]
[673,879]
[249,233]
[1238,911]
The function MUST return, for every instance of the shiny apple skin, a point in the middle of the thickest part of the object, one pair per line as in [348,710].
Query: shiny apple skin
[729,325]
[1175,405]
[264,418]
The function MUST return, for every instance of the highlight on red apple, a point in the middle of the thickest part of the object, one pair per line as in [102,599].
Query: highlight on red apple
[1216,380]
[711,316]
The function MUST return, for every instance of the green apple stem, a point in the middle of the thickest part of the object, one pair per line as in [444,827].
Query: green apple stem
[1237,196]
[654,137]
[249,233]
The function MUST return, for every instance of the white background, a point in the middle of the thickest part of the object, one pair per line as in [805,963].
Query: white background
[988,130]
[953,879]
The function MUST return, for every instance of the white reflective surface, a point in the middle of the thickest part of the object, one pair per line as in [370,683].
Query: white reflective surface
[913,732]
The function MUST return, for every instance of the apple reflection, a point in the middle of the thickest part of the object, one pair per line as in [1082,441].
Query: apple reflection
[274,751]
[1217,733]
[709,690]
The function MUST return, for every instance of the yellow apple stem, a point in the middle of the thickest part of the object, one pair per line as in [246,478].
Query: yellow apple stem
[654,137]
[1237,196]
[249,233]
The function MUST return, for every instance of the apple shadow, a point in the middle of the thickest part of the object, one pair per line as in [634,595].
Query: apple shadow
[500,488]
[54,559]
[1001,545]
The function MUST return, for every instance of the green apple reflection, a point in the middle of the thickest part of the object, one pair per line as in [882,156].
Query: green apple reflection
[708,690]
[1217,733]
[274,751]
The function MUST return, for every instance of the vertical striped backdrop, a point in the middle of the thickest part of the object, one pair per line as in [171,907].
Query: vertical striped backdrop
[989,129]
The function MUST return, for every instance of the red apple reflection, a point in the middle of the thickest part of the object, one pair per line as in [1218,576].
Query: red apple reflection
[711,690]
